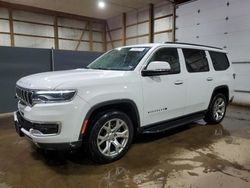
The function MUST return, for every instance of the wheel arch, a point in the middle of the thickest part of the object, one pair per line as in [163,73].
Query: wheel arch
[209,116]
[224,89]
[125,105]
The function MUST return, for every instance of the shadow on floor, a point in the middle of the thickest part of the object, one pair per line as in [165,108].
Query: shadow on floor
[193,135]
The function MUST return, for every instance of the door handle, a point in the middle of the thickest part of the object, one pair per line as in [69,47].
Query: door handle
[178,82]
[209,79]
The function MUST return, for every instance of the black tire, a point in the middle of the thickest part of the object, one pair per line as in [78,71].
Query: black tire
[210,116]
[97,128]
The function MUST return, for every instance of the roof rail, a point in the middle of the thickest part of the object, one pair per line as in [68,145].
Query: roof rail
[194,45]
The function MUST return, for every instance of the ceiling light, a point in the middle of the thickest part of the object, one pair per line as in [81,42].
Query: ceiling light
[101,4]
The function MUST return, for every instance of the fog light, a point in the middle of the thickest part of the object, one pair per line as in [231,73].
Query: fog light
[35,132]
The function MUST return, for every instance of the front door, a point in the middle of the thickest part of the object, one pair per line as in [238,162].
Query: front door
[165,95]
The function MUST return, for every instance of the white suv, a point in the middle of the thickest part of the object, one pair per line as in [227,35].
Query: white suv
[134,89]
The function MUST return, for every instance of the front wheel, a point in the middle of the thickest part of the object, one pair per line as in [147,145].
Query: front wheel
[217,109]
[110,136]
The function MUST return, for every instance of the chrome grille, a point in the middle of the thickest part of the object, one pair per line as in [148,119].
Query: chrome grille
[24,95]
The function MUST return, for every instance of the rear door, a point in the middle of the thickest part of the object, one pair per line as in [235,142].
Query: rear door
[199,80]
[222,72]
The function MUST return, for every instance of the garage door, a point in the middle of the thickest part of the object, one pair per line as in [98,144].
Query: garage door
[224,24]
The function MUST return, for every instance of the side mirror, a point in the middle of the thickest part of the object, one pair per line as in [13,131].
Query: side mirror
[156,68]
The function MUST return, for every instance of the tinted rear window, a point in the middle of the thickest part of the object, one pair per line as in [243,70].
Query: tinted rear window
[196,60]
[220,61]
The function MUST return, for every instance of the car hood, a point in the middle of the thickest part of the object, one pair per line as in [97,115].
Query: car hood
[51,80]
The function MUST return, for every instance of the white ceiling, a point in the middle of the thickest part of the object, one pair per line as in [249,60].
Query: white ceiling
[88,7]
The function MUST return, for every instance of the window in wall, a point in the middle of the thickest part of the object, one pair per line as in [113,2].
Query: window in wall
[219,60]
[196,60]
[169,55]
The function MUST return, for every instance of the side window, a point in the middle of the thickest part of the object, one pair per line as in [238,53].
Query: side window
[169,55]
[196,60]
[219,60]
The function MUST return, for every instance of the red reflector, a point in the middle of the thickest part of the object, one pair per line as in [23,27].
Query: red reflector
[84,126]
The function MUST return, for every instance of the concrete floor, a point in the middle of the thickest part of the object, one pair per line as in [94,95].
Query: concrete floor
[195,155]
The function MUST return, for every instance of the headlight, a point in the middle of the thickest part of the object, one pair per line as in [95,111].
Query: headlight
[52,96]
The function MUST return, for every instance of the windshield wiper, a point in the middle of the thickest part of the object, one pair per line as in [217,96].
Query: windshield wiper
[102,68]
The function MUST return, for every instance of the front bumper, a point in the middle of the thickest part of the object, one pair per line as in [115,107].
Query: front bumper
[31,130]
[51,124]
[36,128]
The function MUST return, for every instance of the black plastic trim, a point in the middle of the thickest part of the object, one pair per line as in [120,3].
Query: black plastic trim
[241,91]
[154,73]
[172,123]
[241,62]
[59,146]
[220,87]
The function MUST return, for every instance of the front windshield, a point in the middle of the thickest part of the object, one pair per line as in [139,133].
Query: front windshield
[120,59]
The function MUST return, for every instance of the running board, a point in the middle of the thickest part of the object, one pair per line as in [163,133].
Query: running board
[170,124]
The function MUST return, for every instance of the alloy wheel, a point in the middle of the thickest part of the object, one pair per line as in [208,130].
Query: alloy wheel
[113,137]
[219,109]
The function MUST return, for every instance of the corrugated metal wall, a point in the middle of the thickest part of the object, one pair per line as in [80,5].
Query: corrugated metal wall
[137,25]
[18,62]
[35,30]
[225,24]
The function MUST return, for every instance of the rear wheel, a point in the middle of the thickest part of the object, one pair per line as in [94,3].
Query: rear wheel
[217,109]
[110,136]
